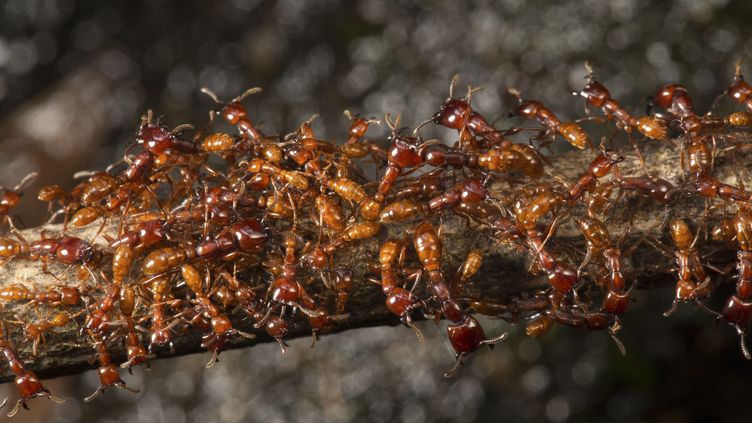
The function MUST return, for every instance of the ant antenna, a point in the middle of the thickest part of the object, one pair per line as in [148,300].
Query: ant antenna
[27,179]
[738,70]
[452,84]
[392,124]
[181,128]
[211,94]
[471,91]
[248,92]
[743,342]
[589,69]
[455,366]
[493,341]
[516,93]
[422,124]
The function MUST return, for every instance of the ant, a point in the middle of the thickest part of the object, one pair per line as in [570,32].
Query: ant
[738,309]
[235,113]
[402,153]
[399,301]
[10,198]
[108,372]
[689,267]
[220,323]
[531,109]
[740,90]
[28,384]
[457,114]
[465,332]
[598,239]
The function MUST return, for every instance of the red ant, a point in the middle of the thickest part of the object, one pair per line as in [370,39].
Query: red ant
[738,309]
[28,384]
[108,372]
[10,198]
[457,114]
[402,154]
[235,113]
[531,109]
[740,90]
[399,301]
[220,323]
[465,333]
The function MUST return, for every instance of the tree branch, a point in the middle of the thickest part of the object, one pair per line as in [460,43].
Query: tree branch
[504,274]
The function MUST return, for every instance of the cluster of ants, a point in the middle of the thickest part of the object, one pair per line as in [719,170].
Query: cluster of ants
[272,228]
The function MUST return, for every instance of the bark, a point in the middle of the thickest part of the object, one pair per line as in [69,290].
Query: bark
[504,274]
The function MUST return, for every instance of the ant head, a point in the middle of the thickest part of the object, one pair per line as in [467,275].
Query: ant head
[595,93]
[739,90]
[452,114]
[234,110]
[665,95]
[473,190]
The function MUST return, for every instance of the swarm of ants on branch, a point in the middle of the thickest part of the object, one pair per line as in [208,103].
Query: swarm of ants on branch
[242,223]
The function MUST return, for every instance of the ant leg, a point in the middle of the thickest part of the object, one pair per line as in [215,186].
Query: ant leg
[282,344]
[493,341]
[100,390]
[308,312]
[213,360]
[315,337]
[612,332]
[588,256]
[15,409]
[705,308]
[408,321]
[743,342]
[263,320]
[455,366]
[417,331]
[671,310]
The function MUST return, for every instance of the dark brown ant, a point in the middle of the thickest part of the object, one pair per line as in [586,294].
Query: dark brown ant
[708,186]
[601,166]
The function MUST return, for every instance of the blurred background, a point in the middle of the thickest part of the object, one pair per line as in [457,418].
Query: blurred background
[75,77]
